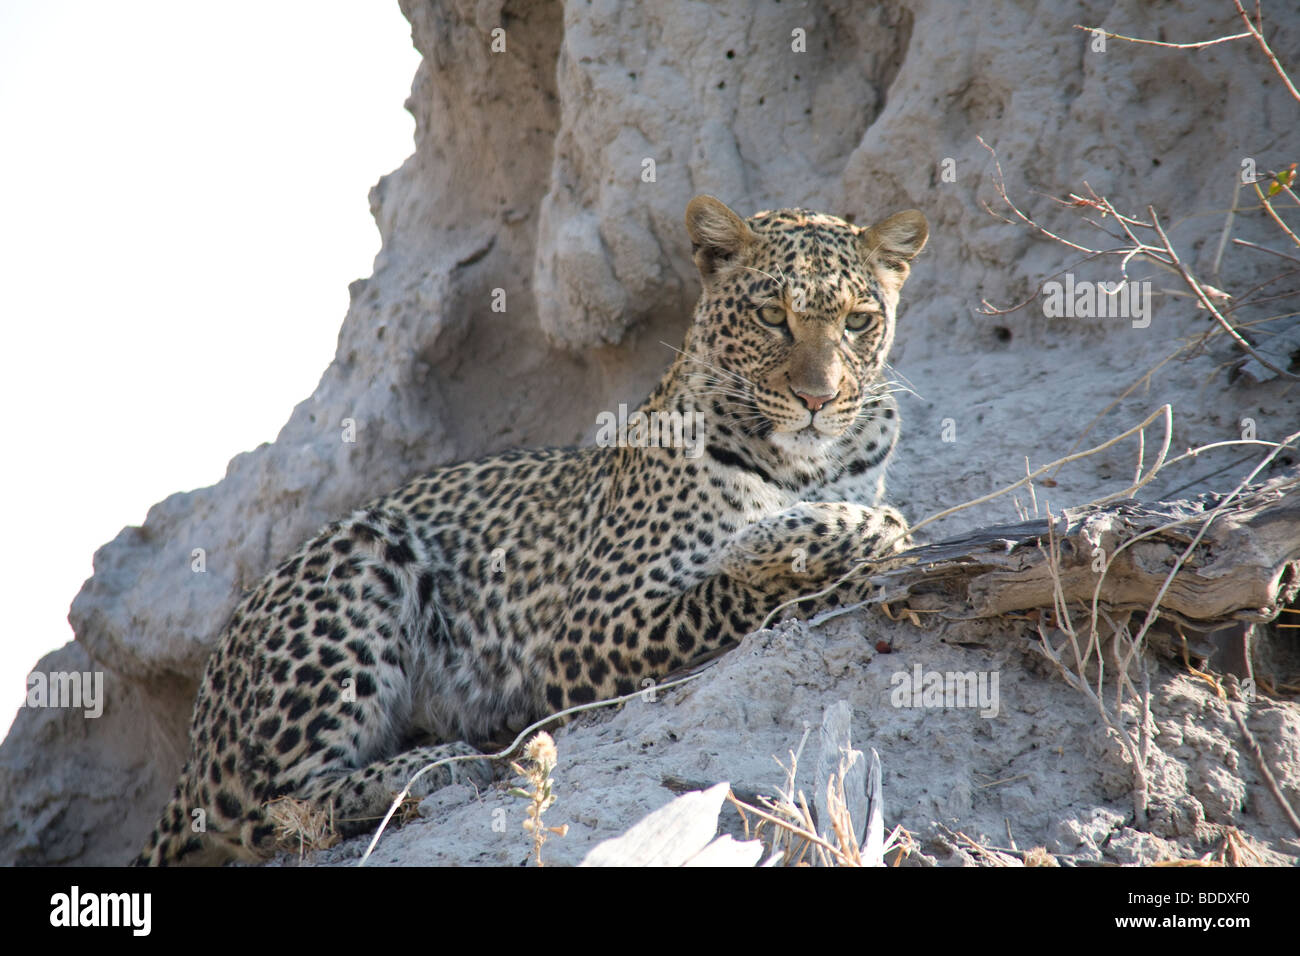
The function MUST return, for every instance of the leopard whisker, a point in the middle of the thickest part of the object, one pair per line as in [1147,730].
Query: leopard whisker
[709,365]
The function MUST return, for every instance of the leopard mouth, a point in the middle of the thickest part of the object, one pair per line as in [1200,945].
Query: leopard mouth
[810,429]
[833,426]
[806,442]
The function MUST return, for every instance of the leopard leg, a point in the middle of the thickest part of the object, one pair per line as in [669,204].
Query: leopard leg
[758,575]
[812,542]
[361,798]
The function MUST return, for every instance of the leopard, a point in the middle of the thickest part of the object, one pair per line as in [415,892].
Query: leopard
[486,595]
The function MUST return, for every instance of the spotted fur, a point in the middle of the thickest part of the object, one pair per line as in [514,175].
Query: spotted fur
[487,594]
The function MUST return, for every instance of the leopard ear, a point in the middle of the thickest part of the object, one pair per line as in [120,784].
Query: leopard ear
[717,234]
[897,240]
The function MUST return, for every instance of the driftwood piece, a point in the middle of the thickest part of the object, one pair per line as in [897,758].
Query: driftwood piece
[873,849]
[1246,567]
[836,756]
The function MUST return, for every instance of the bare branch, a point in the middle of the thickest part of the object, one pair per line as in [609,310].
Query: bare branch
[1268,207]
[1256,31]
[1208,303]
[1173,46]
[1271,252]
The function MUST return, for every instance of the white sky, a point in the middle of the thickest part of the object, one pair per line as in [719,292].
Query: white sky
[182,206]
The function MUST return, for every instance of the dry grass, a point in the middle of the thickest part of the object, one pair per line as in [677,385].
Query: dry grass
[301,826]
[792,834]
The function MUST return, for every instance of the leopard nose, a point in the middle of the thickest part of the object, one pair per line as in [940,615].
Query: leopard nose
[814,402]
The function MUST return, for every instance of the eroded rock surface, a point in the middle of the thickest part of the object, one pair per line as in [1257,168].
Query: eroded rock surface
[553,177]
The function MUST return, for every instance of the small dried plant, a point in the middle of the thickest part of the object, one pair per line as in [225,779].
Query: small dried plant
[539,759]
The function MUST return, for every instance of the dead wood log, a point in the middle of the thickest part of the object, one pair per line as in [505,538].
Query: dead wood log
[1246,567]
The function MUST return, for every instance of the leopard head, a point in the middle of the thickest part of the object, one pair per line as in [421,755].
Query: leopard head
[796,318]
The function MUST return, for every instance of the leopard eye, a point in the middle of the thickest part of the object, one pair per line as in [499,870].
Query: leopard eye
[857,321]
[772,315]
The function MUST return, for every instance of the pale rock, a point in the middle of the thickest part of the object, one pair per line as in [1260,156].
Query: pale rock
[527,177]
